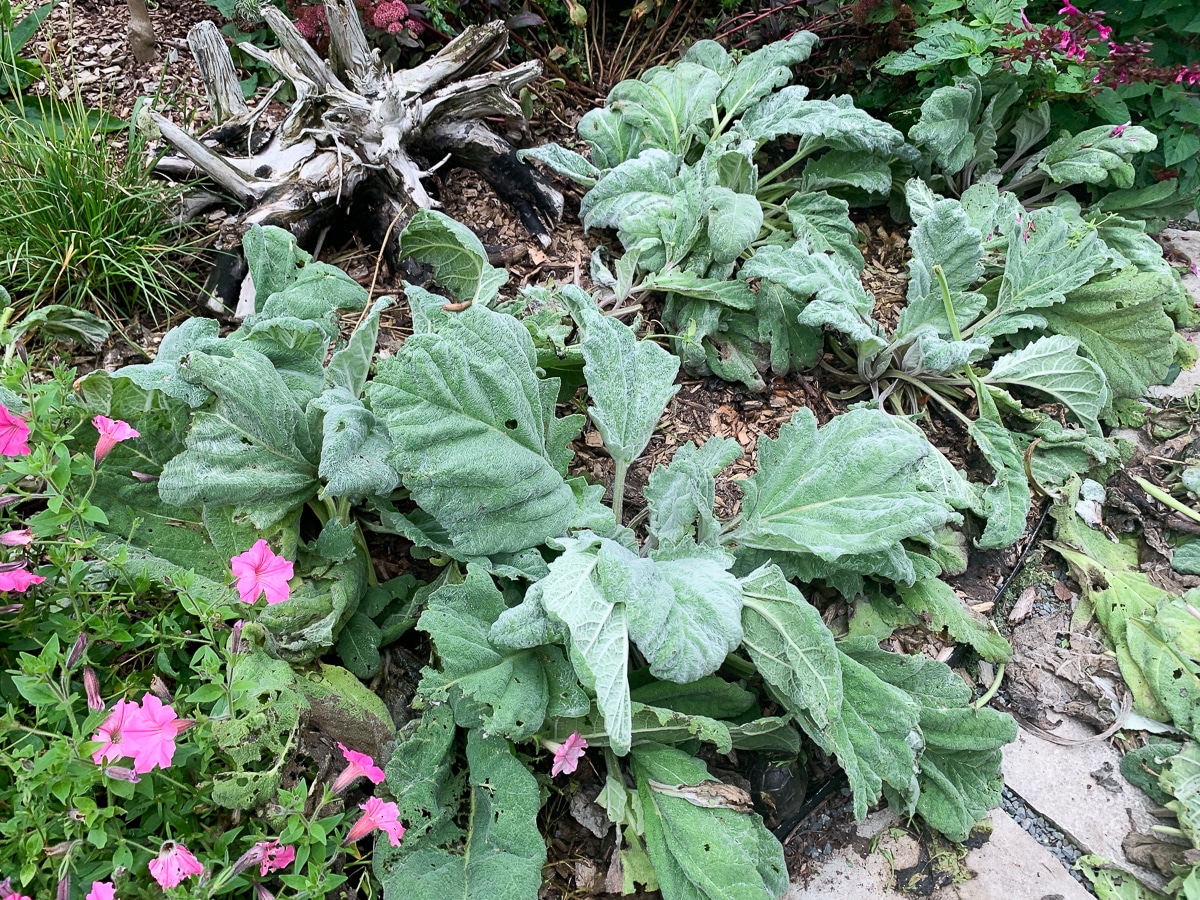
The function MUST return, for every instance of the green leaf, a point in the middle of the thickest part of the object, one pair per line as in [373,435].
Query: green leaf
[459,261]
[822,222]
[354,448]
[630,382]
[700,852]
[511,687]
[947,124]
[612,137]
[503,853]
[470,419]
[1053,366]
[680,495]
[710,696]
[1181,778]
[693,625]
[791,647]
[871,174]
[835,123]
[349,367]
[943,237]
[1047,259]
[274,259]
[1096,155]
[734,294]
[641,185]
[852,487]
[251,449]
[734,221]
[759,73]
[419,776]
[1120,324]
[308,623]
[1006,501]
[668,105]
[196,333]
[940,607]
[358,646]
[959,778]
[63,323]
[564,162]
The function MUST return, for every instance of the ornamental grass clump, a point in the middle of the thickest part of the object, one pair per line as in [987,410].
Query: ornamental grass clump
[81,225]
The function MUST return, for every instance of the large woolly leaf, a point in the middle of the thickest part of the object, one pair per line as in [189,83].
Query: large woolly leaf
[943,237]
[734,294]
[668,105]
[1097,154]
[762,71]
[419,777]
[852,487]
[940,607]
[563,162]
[791,647]
[702,852]
[354,448]
[274,259]
[945,127]
[681,495]
[475,434]
[458,259]
[196,333]
[503,853]
[960,777]
[823,223]
[582,592]
[350,365]
[871,174]
[630,382]
[689,635]
[1120,324]
[308,624]
[635,186]
[251,449]
[1006,501]
[612,137]
[833,123]
[734,221]
[1047,259]
[509,689]
[1053,366]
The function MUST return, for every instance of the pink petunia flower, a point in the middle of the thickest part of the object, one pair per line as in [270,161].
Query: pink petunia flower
[275,858]
[102,890]
[14,434]
[111,434]
[16,896]
[377,814]
[568,754]
[19,537]
[175,863]
[258,571]
[112,733]
[359,764]
[150,735]
[18,579]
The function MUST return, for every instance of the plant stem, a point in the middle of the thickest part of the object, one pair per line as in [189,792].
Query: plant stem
[618,501]
[991,691]
[1166,499]
[941,277]
[934,395]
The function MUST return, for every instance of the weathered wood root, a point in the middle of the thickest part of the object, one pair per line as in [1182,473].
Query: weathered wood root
[355,127]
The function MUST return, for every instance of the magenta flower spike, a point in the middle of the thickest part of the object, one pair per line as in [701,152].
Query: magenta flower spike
[260,571]
[18,579]
[14,434]
[377,814]
[111,433]
[175,863]
[359,764]
[568,754]
[102,890]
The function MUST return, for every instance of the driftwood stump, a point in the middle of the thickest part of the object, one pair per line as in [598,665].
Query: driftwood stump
[358,139]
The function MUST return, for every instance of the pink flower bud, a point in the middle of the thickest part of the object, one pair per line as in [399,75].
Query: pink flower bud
[91,686]
[77,649]
[18,538]
[122,774]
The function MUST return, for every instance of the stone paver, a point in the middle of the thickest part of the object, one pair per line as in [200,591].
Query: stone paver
[1010,866]
[1080,790]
